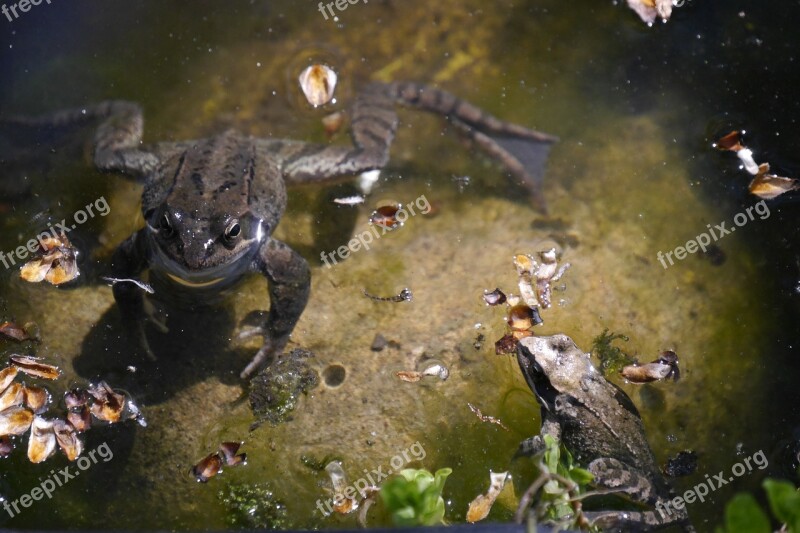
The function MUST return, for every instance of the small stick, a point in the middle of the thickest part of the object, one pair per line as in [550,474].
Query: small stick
[404,296]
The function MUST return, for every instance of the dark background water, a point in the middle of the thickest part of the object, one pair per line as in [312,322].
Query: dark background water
[714,67]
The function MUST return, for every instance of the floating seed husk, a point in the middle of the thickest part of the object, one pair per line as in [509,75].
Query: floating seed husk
[486,418]
[42,440]
[76,398]
[650,10]
[436,370]
[646,373]
[385,216]
[318,83]
[339,482]
[505,345]
[13,331]
[769,186]
[6,446]
[731,142]
[228,451]
[7,376]
[496,297]
[522,317]
[207,468]
[107,405]
[333,123]
[80,418]
[479,507]
[56,262]
[32,366]
[13,396]
[409,376]
[15,421]
[36,398]
[68,440]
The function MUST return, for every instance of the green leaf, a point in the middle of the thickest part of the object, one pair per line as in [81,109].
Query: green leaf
[784,500]
[581,476]
[743,515]
[414,497]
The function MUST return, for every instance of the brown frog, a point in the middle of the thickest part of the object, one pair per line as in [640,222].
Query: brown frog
[601,427]
[211,205]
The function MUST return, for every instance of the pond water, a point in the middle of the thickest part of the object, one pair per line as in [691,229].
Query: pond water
[636,109]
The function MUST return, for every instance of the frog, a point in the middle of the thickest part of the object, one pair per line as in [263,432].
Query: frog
[211,205]
[600,425]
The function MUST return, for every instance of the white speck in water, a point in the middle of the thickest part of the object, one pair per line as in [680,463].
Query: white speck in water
[258,64]
[478,325]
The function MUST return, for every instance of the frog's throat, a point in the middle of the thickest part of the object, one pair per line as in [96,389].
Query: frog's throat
[194,285]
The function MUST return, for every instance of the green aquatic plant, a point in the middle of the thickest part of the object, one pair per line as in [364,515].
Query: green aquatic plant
[744,515]
[612,358]
[414,497]
[558,491]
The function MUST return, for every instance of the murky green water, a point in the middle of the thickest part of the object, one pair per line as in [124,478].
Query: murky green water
[633,175]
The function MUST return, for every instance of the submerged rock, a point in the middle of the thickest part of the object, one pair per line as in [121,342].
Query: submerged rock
[275,390]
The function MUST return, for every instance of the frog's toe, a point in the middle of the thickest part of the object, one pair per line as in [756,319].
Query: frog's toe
[250,332]
[613,474]
[265,355]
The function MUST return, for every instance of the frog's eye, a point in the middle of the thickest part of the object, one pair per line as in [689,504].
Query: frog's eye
[233,230]
[165,226]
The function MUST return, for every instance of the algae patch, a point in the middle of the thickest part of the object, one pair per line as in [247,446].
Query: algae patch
[275,391]
[254,507]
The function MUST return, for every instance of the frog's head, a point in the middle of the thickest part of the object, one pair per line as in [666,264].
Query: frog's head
[204,246]
[553,365]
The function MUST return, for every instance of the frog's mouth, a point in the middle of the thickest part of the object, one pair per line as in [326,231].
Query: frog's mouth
[536,378]
[207,277]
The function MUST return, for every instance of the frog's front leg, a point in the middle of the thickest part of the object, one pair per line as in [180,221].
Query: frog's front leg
[533,445]
[128,262]
[290,283]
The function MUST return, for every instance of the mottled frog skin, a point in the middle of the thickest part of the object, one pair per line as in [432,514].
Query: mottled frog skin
[601,427]
[211,205]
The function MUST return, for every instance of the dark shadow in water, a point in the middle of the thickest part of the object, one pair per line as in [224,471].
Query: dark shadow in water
[195,348]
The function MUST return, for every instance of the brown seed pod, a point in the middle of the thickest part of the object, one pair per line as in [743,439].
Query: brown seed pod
[228,452]
[33,367]
[80,418]
[318,83]
[7,375]
[731,142]
[36,398]
[15,421]
[42,440]
[505,345]
[207,468]
[76,398]
[67,439]
[6,446]
[385,216]
[107,405]
[13,331]
[496,297]
[646,373]
[14,395]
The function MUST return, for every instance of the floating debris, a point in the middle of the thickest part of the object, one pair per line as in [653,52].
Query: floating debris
[142,285]
[55,261]
[15,421]
[80,418]
[346,504]
[7,376]
[228,453]
[435,370]
[404,296]
[6,446]
[14,332]
[385,216]
[479,507]
[683,464]
[535,277]
[76,398]
[42,440]
[664,367]
[333,123]
[349,200]
[486,418]
[496,297]
[13,396]
[36,398]
[522,318]
[67,439]
[318,83]
[650,10]
[731,142]
[31,366]
[769,186]
[107,405]
[506,344]
[207,468]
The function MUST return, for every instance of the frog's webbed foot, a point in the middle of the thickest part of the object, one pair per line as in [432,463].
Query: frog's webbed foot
[523,152]
[117,141]
[615,475]
[533,445]
[290,282]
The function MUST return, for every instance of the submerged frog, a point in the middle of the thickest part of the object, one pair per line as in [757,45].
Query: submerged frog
[211,205]
[599,424]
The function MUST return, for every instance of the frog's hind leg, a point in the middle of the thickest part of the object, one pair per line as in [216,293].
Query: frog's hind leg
[523,152]
[117,140]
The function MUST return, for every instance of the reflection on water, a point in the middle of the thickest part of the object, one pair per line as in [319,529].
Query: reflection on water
[634,173]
